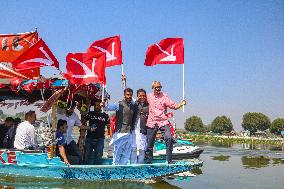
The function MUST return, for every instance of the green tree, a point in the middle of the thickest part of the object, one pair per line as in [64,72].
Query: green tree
[277,126]
[194,124]
[253,121]
[221,124]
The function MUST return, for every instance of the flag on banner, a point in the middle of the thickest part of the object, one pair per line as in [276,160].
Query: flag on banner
[15,81]
[12,46]
[2,85]
[29,87]
[111,47]
[38,55]
[167,51]
[15,84]
[82,68]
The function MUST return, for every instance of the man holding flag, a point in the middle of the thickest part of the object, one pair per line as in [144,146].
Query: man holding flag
[167,51]
[158,120]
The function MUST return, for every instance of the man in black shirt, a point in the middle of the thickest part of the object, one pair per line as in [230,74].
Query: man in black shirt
[9,122]
[94,144]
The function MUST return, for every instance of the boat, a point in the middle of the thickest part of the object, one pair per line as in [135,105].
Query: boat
[39,165]
[183,149]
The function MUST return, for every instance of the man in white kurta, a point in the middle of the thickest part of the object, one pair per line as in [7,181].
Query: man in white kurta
[25,134]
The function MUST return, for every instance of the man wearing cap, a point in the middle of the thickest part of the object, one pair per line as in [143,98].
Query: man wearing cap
[158,120]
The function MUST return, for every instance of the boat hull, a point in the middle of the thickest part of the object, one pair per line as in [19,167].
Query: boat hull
[39,165]
[99,172]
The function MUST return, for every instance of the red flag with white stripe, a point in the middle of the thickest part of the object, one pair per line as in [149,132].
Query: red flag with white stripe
[83,68]
[167,51]
[36,56]
[111,47]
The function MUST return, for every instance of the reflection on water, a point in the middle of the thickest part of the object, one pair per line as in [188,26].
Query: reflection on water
[255,162]
[36,183]
[196,171]
[277,161]
[221,158]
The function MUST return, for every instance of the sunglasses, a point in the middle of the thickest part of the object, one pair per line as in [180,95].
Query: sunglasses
[159,87]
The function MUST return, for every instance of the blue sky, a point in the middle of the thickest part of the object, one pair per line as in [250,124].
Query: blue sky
[234,50]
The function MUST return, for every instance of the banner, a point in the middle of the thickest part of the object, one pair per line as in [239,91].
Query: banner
[11,47]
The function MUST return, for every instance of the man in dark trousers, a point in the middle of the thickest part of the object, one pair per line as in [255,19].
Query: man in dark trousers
[94,143]
[159,102]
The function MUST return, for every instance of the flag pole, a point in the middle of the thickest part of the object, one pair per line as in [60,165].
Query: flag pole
[122,74]
[183,85]
[103,92]
[103,95]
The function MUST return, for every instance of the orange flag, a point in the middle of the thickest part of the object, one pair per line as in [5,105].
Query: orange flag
[12,46]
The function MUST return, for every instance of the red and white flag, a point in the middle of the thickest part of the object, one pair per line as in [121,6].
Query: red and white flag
[167,51]
[83,69]
[36,56]
[15,82]
[29,87]
[111,47]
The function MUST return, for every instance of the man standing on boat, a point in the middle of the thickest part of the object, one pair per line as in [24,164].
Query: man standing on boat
[139,134]
[94,143]
[25,134]
[158,120]
[125,119]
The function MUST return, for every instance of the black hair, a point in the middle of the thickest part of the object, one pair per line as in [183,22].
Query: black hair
[97,100]
[140,90]
[128,90]
[9,119]
[17,121]
[29,114]
[60,123]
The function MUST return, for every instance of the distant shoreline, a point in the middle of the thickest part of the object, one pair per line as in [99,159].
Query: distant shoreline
[232,139]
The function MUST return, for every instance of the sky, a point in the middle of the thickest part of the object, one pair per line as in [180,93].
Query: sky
[234,50]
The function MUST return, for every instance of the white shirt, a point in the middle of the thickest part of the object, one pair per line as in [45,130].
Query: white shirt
[72,121]
[25,135]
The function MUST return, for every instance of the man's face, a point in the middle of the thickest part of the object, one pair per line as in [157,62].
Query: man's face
[64,128]
[128,96]
[9,123]
[141,97]
[157,88]
[97,106]
[70,111]
[32,118]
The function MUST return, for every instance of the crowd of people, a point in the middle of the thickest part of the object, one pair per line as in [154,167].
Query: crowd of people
[136,126]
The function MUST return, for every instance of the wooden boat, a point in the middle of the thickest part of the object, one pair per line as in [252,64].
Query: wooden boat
[36,164]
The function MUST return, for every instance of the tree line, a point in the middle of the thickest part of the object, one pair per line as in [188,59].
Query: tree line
[252,121]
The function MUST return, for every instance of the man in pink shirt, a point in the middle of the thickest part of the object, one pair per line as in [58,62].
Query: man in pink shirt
[158,120]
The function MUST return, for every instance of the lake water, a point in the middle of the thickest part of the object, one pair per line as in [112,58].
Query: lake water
[234,167]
